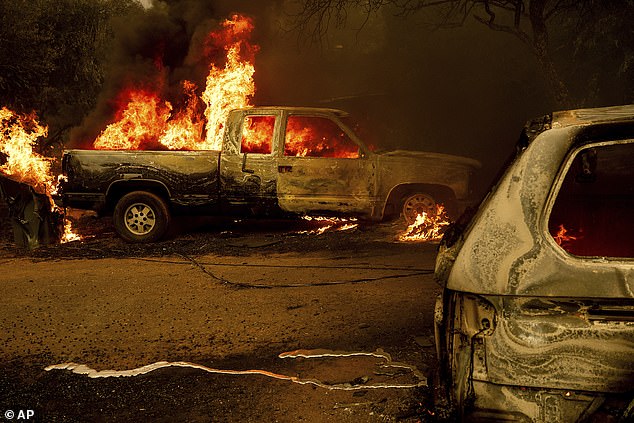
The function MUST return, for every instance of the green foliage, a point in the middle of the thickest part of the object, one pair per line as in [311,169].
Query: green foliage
[52,54]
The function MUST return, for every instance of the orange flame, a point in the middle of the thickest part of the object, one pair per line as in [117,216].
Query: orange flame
[309,136]
[257,134]
[427,227]
[18,134]
[230,87]
[562,236]
[305,137]
[185,127]
[330,223]
[145,121]
[140,123]
[69,235]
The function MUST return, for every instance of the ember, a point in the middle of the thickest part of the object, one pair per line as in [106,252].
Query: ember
[427,227]
[562,237]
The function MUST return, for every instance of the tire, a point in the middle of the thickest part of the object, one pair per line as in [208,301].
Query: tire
[141,217]
[416,203]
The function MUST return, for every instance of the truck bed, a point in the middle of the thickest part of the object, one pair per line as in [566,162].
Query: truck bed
[188,178]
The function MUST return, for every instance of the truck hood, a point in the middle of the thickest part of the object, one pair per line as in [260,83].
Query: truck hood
[424,155]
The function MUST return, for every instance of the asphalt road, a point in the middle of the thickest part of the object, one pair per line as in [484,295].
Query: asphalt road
[232,315]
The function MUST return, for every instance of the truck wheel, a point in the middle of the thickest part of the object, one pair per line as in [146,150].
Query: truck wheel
[141,217]
[415,204]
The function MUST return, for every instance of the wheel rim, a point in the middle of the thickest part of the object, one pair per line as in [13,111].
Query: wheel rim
[417,204]
[140,219]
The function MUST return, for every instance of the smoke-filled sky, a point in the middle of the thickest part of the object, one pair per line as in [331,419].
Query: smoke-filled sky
[465,90]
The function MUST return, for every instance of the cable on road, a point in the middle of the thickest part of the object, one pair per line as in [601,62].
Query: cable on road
[299,285]
[284,266]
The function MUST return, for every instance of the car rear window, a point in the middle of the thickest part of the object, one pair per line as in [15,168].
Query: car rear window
[593,214]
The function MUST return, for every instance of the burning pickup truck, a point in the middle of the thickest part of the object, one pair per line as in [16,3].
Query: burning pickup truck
[536,320]
[274,161]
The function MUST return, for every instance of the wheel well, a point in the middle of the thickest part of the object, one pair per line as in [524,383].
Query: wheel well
[119,189]
[442,194]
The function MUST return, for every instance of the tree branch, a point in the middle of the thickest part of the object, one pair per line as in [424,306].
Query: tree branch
[516,31]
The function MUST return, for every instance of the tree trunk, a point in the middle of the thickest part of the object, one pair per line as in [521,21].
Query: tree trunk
[540,47]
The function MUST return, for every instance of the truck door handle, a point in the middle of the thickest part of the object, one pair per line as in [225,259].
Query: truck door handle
[285,169]
[244,165]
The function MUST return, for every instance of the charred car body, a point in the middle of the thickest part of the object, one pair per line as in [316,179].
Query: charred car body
[274,160]
[536,320]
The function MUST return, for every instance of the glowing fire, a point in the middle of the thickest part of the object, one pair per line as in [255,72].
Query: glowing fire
[317,137]
[145,121]
[306,136]
[330,223]
[18,136]
[562,236]
[69,235]
[427,227]
[230,87]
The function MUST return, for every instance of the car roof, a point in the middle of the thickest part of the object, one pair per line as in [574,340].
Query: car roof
[582,117]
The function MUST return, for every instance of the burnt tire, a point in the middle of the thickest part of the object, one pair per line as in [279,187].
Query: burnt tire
[141,217]
[414,204]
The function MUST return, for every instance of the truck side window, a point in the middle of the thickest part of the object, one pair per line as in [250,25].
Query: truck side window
[593,212]
[311,136]
[257,134]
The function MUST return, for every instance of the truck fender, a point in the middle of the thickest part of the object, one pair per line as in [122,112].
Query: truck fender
[121,187]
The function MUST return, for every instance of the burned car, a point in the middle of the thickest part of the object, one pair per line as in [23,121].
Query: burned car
[536,319]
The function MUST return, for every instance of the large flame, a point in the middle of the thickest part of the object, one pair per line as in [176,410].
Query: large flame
[427,226]
[144,120]
[232,86]
[18,135]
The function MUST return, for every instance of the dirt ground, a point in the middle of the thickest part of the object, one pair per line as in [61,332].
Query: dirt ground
[218,296]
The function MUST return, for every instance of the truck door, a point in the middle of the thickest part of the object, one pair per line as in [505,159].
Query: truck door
[323,168]
[248,162]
